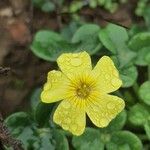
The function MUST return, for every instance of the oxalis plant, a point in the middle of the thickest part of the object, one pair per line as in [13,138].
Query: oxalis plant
[101,91]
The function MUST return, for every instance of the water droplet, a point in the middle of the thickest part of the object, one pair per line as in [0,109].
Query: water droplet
[75,55]
[110,106]
[57,119]
[67,59]
[110,68]
[65,126]
[116,82]
[66,104]
[65,112]
[67,120]
[73,127]
[76,62]
[53,72]
[47,86]
[59,74]
[104,122]
[107,76]
[79,121]
[115,73]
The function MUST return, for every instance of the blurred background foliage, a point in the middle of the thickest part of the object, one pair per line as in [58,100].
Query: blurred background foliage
[129,47]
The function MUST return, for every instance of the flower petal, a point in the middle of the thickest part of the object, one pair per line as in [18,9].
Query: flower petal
[74,63]
[70,117]
[107,75]
[104,109]
[55,88]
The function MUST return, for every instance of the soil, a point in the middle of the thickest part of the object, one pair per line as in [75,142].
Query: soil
[23,71]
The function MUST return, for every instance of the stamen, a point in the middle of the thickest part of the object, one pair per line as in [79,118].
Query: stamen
[83,90]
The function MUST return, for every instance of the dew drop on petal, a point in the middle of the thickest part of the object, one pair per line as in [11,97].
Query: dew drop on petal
[73,127]
[57,120]
[107,76]
[65,126]
[110,106]
[76,62]
[75,55]
[66,104]
[104,122]
[116,82]
[67,120]
[115,73]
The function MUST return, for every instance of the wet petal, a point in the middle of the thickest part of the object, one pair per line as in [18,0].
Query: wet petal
[70,116]
[55,88]
[72,63]
[107,75]
[101,111]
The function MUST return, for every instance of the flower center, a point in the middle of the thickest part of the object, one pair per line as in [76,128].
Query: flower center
[83,90]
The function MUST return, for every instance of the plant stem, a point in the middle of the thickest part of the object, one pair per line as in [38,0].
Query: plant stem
[143,137]
[149,72]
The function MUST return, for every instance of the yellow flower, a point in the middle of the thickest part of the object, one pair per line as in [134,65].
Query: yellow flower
[83,90]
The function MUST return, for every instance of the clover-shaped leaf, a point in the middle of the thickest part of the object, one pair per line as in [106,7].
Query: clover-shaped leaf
[87,38]
[128,75]
[141,58]
[90,140]
[140,41]
[48,45]
[124,140]
[114,38]
[21,127]
[24,128]
[139,114]
[144,92]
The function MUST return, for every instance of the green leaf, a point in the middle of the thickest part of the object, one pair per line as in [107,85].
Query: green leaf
[118,122]
[89,140]
[138,114]
[21,127]
[140,41]
[87,38]
[48,45]
[147,16]
[35,98]
[61,140]
[17,119]
[141,58]
[68,31]
[128,76]
[125,140]
[112,37]
[41,110]
[48,6]
[44,5]
[147,128]
[147,58]
[48,139]
[144,92]
[44,140]
[42,113]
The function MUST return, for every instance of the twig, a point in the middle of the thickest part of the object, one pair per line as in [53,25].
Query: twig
[7,139]
[5,136]
[58,11]
[4,70]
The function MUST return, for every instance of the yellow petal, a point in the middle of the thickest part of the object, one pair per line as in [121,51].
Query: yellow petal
[107,75]
[104,109]
[70,117]
[71,63]
[55,88]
